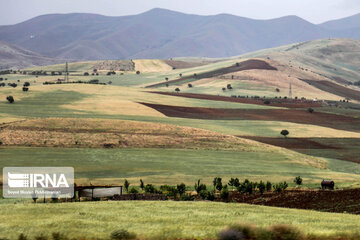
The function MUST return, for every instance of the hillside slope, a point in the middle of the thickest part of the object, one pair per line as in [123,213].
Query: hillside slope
[15,57]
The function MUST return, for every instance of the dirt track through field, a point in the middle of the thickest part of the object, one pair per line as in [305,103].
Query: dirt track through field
[284,115]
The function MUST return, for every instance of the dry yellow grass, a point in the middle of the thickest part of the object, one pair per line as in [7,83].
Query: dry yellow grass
[151,65]
[259,79]
[60,132]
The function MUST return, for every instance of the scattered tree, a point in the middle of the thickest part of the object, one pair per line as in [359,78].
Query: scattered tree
[284,133]
[10,99]
[268,186]
[190,85]
[126,185]
[298,180]
[137,72]
[277,90]
[142,184]
[26,84]
[177,90]
[310,110]
[279,187]
[199,186]
[261,186]
[234,182]
[86,74]
[217,183]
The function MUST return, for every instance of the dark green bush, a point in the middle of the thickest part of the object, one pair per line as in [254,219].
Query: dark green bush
[181,188]
[187,197]
[279,187]
[261,186]
[199,186]
[203,194]
[133,190]
[224,194]
[298,180]
[268,186]
[169,191]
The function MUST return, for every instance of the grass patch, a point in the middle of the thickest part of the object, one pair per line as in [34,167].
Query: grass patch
[173,166]
[160,220]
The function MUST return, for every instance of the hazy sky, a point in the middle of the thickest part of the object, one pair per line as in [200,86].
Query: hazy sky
[316,11]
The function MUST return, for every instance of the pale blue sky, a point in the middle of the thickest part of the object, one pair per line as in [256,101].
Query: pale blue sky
[316,11]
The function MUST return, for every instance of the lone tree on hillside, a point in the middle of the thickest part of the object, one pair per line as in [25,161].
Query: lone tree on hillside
[177,90]
[298,180]
[10,99]
[284,132]
[190,85]
[137,72]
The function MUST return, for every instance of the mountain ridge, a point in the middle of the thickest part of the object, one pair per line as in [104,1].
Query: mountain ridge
[161,33]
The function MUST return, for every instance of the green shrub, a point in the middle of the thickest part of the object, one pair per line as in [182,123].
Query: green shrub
[203,194]
[224,194]
[169,191]
[210,196]
[187,197]
[133,190]
[279,187]
[261,186]
[268,186]
[199,186]
[149,188]
[122,235]
[181,188]
[217,183]
[234,182]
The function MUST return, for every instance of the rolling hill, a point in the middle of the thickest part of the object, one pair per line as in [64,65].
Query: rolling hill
[15,57]
[161,33]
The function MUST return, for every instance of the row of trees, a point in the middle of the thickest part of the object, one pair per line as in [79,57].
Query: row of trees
[219,189]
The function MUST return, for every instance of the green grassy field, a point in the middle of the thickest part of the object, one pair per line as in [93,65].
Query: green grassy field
[172,166]
[159,220]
